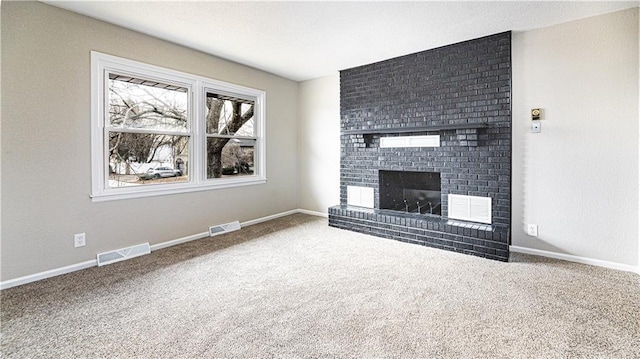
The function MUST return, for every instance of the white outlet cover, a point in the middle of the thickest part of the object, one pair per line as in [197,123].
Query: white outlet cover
[536,127]
[532,230]
[79,240]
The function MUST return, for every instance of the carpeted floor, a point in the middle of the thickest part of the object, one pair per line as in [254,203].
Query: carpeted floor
[294,287]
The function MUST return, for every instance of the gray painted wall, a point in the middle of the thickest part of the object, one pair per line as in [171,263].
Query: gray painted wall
[578,178]
[319,143]
[46,178]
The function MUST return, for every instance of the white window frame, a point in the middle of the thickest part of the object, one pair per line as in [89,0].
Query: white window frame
[197,86]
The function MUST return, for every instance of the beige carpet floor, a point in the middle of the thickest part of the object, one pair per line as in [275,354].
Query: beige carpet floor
[294,287]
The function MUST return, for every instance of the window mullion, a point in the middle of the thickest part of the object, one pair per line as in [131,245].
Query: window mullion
[196,125]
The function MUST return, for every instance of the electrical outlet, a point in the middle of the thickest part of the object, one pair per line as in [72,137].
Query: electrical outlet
[79,240]
[532,230]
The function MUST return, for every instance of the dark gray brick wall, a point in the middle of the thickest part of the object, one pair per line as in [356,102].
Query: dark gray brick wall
[463,83]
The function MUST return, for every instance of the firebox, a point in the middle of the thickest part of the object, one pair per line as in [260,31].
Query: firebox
[412,192]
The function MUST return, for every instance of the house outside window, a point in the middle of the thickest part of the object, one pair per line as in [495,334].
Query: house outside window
[157,131]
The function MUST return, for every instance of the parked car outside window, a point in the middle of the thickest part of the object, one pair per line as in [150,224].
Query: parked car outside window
[163,172]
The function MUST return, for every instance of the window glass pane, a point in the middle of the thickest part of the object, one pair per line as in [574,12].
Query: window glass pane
[143,104]
[227,115]
[230,157]
[141,159]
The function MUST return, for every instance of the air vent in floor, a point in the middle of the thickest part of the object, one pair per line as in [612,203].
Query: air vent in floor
[224,228]
[123,254]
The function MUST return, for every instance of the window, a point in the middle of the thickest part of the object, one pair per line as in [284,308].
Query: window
[157,131]
[148,131]
[231,135]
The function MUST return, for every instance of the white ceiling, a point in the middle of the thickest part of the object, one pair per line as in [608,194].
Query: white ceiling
[310,39]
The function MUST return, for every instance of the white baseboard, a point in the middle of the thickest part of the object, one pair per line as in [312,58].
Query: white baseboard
[175,242]
[314,213]
[268,218]
[92,263]
[47,274]
[576,259]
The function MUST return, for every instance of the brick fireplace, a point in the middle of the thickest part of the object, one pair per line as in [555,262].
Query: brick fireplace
[421,129]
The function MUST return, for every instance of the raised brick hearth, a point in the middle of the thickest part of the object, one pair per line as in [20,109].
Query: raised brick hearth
[461,93]
[466,237]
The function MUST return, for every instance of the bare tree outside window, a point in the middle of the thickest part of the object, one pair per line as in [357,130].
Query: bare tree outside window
[231,137]
[147,129]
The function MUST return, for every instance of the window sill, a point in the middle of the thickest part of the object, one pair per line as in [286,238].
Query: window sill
[163,190]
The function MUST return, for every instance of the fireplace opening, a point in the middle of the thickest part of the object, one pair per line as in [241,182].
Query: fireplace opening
[412,192]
